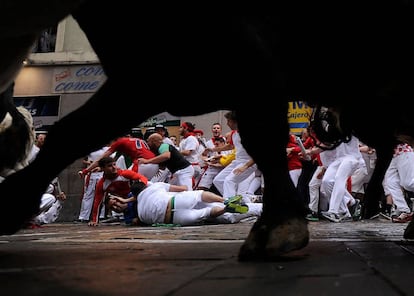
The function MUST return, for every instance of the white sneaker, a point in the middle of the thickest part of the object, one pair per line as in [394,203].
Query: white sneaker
[333,217]
[330,216]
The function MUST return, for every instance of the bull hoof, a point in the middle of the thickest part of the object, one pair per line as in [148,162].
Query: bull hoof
[270,242]
[409,231]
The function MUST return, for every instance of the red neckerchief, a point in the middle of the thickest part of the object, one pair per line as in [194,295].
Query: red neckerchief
[401,148]
[189,134]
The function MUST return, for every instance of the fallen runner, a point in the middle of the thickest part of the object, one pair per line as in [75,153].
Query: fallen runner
[163,203]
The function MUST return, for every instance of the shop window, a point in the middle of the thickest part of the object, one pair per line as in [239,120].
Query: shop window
[46,41]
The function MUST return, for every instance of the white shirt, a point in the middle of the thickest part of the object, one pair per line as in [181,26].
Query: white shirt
[190,143]
[241,153]
[153,202]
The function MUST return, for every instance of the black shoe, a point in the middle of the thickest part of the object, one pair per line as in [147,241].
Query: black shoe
[115,219]
[313,216]
[355,210]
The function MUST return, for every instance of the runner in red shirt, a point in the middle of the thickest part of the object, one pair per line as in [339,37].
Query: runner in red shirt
[134,148]
[114,181]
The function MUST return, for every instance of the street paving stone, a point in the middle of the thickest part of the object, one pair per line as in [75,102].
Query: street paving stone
[367,257]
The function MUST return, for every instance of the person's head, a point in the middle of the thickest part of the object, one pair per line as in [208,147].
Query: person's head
[115,205]
[173,139]
[137,187]
[154,141]
[231,119]
[108,166]
[292,138]
[40,138]
[219,141]
[148,132]
[186,127]
[198,133]
[305,134]
[136,132]
[216,129]
[159,128]
[405,139]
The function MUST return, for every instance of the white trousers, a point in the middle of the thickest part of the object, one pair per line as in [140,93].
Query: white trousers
[183,177]
[316,200]
[400,174]
[227,182]
[334,184]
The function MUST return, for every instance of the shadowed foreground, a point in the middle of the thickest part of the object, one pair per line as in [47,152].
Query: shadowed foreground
[354,258]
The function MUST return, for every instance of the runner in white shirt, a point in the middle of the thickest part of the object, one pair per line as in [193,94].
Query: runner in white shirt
[229,179]
[188,147]
[90,181]
[165,203]
[348,159]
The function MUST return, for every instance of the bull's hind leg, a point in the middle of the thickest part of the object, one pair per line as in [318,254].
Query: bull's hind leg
[282,226]
[269,240]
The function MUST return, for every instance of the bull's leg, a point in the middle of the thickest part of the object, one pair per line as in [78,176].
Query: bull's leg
[282,226]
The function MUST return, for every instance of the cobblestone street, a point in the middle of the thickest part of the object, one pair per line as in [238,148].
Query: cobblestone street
[366,257]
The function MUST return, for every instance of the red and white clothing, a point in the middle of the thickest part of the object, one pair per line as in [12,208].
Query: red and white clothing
[210,172]
[227,182]
[399,176]
[191,143]
[119,186]
[348,159]
[210,144]
[90,181]
[294,160]
[136,148]
[317,202]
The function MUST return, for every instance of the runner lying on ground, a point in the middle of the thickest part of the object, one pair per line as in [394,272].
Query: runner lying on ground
[172,204]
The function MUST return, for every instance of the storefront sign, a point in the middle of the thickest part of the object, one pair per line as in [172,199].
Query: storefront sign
[44,109]
[77,79]
[299,114]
